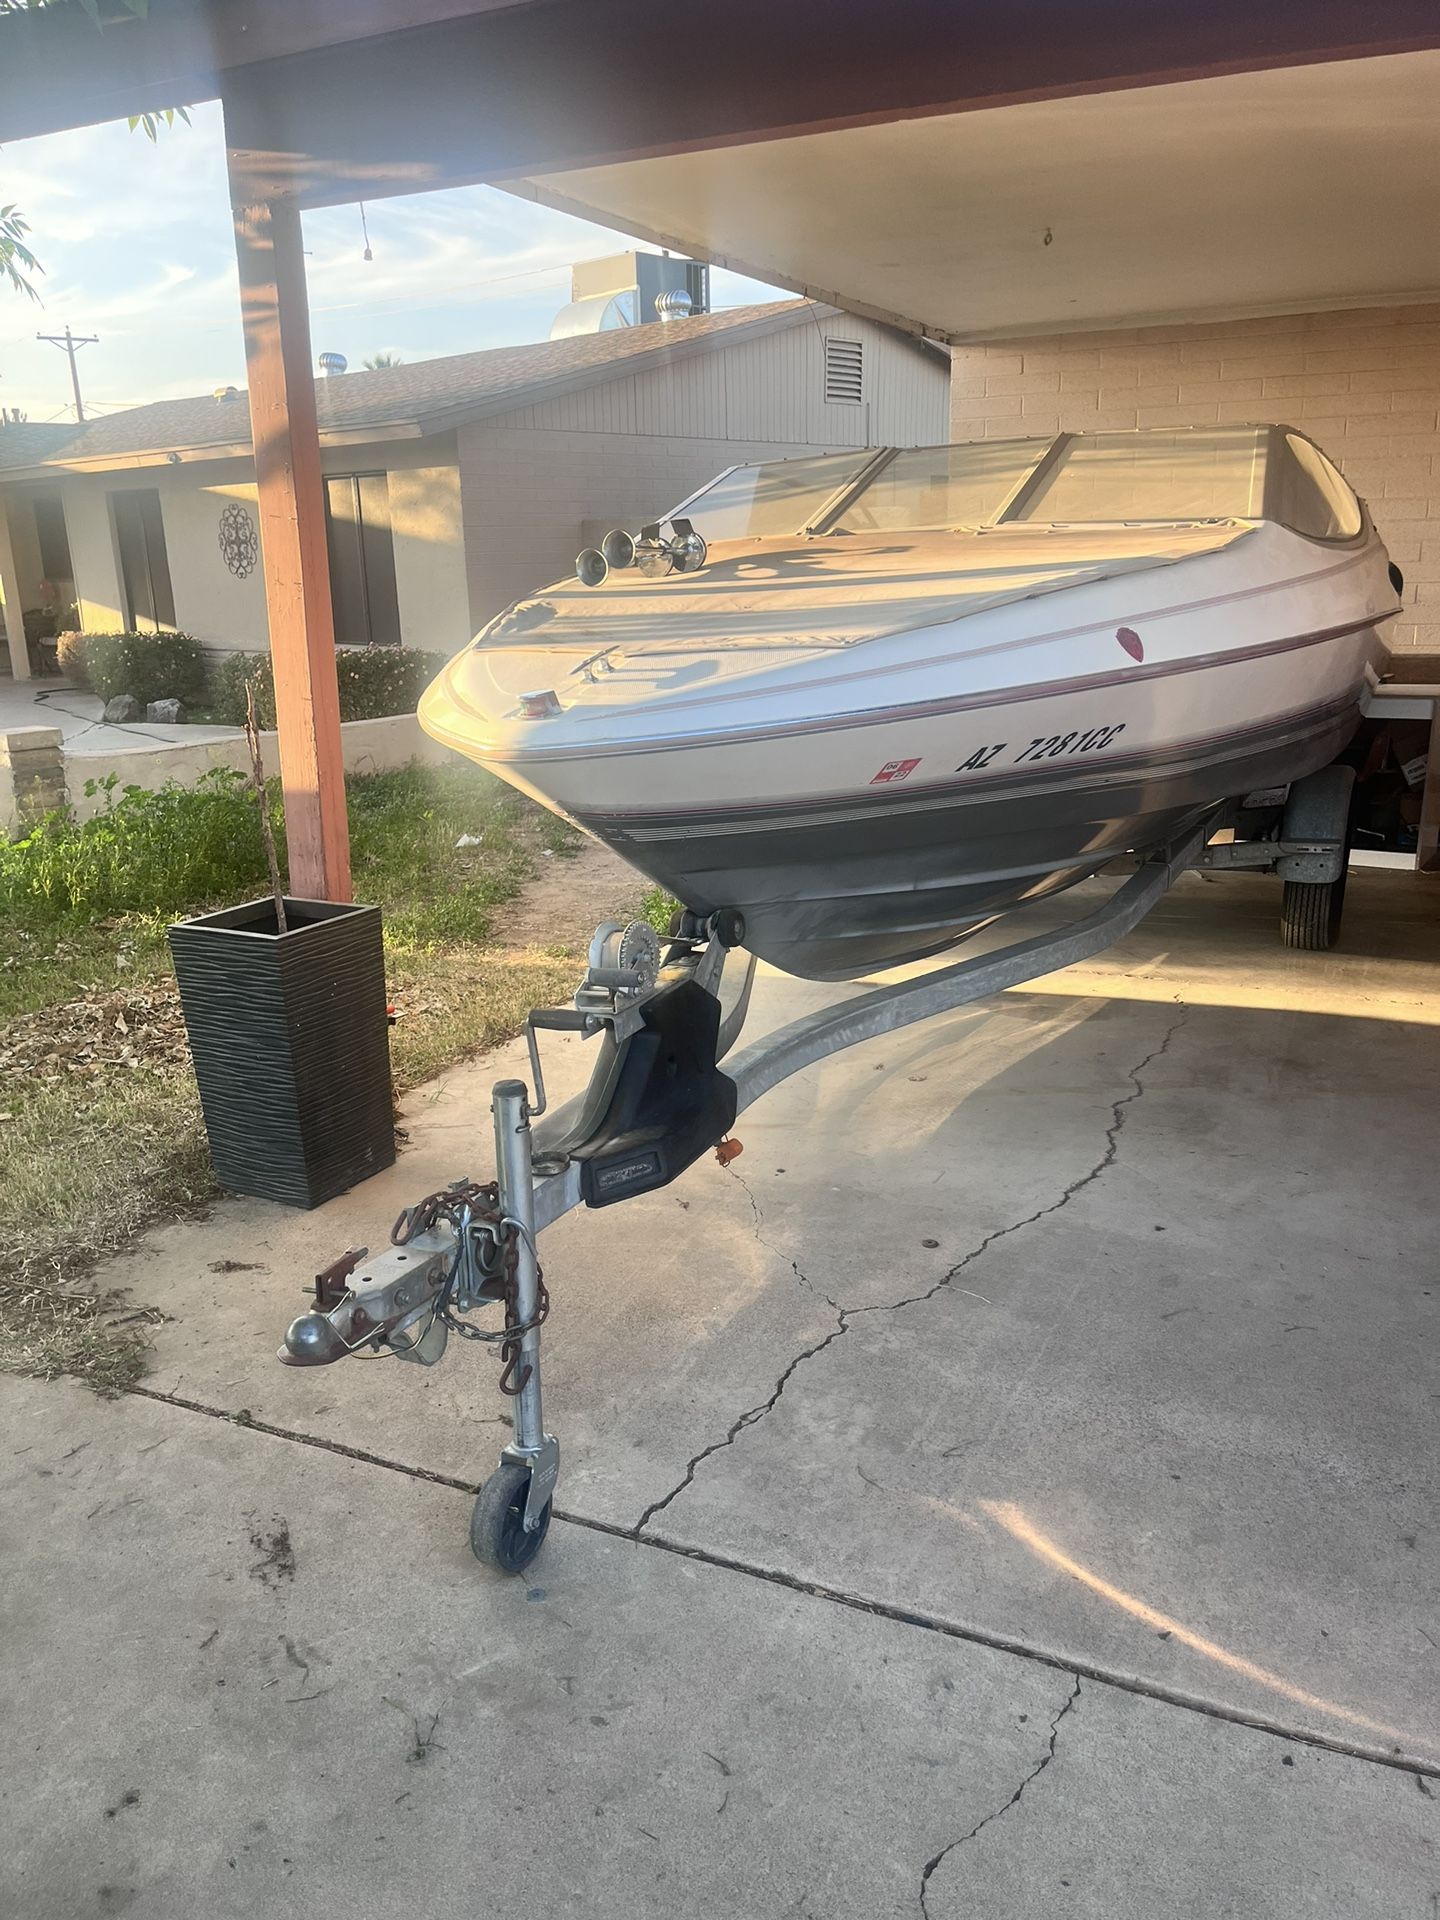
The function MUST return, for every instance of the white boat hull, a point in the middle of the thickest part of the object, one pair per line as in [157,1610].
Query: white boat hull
[865,805]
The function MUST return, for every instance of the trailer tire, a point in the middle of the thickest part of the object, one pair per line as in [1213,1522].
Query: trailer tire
[1322,806]
[1310,913]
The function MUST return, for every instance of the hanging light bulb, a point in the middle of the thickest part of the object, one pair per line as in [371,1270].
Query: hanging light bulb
[367,255]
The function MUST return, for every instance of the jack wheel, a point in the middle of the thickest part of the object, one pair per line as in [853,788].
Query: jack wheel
[497,1525]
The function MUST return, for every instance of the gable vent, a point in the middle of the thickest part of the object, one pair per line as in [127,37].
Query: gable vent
[844,370]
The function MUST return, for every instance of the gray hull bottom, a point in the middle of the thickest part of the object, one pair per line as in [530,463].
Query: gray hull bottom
[835,893]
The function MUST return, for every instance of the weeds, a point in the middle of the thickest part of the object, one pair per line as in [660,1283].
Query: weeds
[89,1159]
[659,908]
[84,1169]
[144,852]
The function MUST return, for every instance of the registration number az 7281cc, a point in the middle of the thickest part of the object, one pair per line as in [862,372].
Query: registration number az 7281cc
[1053,746]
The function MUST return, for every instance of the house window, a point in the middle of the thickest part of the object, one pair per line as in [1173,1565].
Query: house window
[144,564]
[844,371]
[362,561]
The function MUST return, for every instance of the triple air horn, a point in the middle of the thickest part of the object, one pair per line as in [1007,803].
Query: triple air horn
[683,552]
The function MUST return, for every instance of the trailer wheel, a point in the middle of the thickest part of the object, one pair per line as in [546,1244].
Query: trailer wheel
[1320,807]
[1310,913]
[497,1525]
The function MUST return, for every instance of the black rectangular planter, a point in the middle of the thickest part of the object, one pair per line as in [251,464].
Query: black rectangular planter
[291,1044]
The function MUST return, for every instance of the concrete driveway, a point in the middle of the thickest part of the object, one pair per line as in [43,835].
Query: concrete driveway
[1008,1490]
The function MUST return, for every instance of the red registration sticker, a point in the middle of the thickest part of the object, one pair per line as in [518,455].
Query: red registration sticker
[894,770]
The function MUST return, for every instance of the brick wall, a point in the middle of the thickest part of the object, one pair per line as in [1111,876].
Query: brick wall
[1364,383]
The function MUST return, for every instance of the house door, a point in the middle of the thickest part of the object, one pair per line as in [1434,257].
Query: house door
[54,544]
[144,562]
[362,560]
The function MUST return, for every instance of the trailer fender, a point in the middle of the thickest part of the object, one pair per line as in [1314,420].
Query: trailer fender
[1318,809]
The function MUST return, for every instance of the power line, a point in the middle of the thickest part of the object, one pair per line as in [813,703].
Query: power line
[70,343]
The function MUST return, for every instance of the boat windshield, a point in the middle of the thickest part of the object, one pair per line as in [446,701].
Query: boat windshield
[1208,474]
[1164,475]
[778,497]
[1311,497]
[927,488]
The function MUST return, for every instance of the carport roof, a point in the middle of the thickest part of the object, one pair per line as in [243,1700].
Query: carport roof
[396,402]
[1264,192]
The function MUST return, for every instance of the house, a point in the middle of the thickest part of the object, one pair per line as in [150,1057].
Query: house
[454,485]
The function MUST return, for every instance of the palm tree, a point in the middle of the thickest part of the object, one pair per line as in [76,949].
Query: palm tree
[17,262]
[378,362]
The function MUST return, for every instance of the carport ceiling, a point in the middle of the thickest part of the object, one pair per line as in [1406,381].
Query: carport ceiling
[1247,193]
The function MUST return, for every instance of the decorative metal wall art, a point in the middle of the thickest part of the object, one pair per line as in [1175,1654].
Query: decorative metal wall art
[239,542]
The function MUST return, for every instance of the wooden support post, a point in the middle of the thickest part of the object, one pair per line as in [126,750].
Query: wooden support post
[11,596]
[293,545]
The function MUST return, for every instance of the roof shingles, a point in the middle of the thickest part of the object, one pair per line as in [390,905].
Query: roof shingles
[23,444]
[425,394]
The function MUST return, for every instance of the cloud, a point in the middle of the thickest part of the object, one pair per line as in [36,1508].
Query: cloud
[136,242]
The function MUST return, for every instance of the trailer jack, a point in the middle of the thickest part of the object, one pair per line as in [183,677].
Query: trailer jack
[656,1101]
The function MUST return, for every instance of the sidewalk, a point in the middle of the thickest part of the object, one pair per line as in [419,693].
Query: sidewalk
[1008,1491]
[54,703]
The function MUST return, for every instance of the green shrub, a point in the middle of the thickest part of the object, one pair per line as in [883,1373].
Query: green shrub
[70,652]
[374,681]
[147,666]
[228,680]
[147,852]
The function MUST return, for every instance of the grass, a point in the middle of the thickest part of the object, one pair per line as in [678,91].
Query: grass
[660,909]
[94,1149]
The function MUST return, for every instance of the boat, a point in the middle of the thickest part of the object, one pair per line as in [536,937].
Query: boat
[866,701]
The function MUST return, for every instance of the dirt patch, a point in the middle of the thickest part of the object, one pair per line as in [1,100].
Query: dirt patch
[276,1551]
[139,1026]
[562,906]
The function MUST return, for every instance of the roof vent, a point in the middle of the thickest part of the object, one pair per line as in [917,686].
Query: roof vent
[226,393]
[627,290]
[844,371]
[333,363]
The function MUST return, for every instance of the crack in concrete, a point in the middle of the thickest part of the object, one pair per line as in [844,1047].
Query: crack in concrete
[923,1622]
[747,1419]
[1014,1800]
[846,1316]
[1118,1113]
[770,1247]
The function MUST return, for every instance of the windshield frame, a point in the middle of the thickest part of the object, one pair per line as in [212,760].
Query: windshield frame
[822,522]
[1278,451]
[872,460]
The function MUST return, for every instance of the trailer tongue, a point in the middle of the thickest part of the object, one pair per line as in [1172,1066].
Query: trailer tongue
[465,1260]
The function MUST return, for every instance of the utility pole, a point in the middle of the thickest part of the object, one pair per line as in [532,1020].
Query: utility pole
[69,342]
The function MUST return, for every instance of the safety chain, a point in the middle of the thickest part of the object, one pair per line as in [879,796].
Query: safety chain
[480,1201]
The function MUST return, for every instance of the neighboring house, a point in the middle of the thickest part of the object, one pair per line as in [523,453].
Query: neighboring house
[453,485]
[1363,382]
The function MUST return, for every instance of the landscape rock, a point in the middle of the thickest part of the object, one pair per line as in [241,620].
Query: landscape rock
[170,712]
[122,708]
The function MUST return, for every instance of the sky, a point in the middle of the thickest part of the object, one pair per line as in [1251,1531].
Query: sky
[136,244]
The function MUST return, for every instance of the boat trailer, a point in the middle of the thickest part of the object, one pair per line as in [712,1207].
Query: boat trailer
[656,1101]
